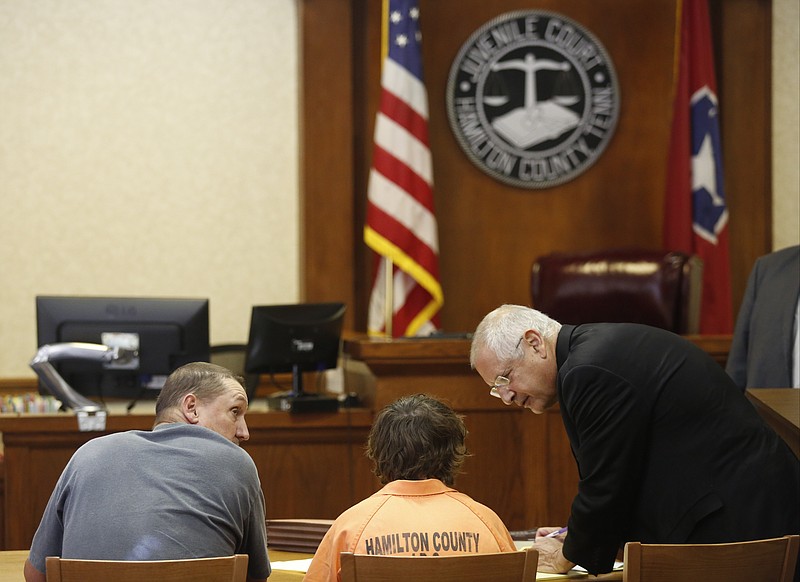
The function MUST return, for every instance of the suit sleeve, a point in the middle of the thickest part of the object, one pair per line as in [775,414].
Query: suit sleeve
[736,366]
[608,422]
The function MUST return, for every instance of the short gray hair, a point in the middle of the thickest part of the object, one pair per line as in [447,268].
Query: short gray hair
[204,380]
[501,330]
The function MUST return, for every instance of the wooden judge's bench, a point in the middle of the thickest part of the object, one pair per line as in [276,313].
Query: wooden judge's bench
[313,465]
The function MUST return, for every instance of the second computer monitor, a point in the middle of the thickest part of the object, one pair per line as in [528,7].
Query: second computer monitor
[294,338]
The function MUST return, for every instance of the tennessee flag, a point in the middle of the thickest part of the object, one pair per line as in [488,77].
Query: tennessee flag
[401,223]
[695,214]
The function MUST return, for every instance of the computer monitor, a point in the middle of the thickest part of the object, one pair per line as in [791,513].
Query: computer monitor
[166,332]
[294,338]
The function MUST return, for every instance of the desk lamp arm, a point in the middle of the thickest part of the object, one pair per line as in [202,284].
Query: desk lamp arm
[59,387]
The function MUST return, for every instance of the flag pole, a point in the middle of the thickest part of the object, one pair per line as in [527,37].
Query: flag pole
[388,296]
[388,262]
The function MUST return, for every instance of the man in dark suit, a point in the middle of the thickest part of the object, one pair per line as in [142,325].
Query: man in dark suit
[766,341]
[668,449]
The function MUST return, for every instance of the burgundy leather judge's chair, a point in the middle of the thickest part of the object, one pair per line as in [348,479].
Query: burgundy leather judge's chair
[656,288]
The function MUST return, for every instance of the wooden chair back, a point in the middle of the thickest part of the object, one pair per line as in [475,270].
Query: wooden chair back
[769,560]
[517,566]
[224,569]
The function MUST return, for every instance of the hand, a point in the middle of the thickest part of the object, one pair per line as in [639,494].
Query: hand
[550,557]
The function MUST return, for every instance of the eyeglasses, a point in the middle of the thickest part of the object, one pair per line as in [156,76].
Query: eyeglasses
[499,382]
[503,381]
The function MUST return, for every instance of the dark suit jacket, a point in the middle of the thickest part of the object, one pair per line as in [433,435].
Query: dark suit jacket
[668,449]
[761,351]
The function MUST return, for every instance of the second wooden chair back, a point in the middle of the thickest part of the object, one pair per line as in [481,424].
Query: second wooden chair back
[517,566]
[770,560]
[225,569]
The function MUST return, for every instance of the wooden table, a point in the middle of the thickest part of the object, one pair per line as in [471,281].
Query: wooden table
[12,561]
[780,407]
[284,575]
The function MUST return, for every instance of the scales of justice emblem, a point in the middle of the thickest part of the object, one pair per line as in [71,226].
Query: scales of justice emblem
[536,121]
[532,99]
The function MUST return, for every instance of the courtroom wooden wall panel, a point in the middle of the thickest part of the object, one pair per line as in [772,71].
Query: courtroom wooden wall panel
[562,471]
[490,233]
[521,466]
[614,203]
[315,481]
[36,469]
[328,219]
[742,30]
[493,474]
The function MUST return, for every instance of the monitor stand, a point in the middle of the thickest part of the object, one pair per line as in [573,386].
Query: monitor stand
[299,401]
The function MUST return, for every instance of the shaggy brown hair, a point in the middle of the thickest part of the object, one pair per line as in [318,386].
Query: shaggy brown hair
[417,437]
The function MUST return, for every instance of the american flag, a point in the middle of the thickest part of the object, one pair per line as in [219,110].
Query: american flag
[696,213]
[401,223]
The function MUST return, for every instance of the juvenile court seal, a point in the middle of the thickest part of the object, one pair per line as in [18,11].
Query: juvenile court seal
[532,98]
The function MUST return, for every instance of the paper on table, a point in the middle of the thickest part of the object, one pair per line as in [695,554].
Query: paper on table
[576,573]
[617,566]
[292,565]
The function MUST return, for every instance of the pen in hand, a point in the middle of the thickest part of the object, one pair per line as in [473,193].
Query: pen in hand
[558,532]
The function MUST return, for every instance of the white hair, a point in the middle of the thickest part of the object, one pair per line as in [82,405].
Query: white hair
[501,330]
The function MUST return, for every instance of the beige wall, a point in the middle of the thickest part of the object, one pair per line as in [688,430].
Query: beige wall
[149,147]
[785,123]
